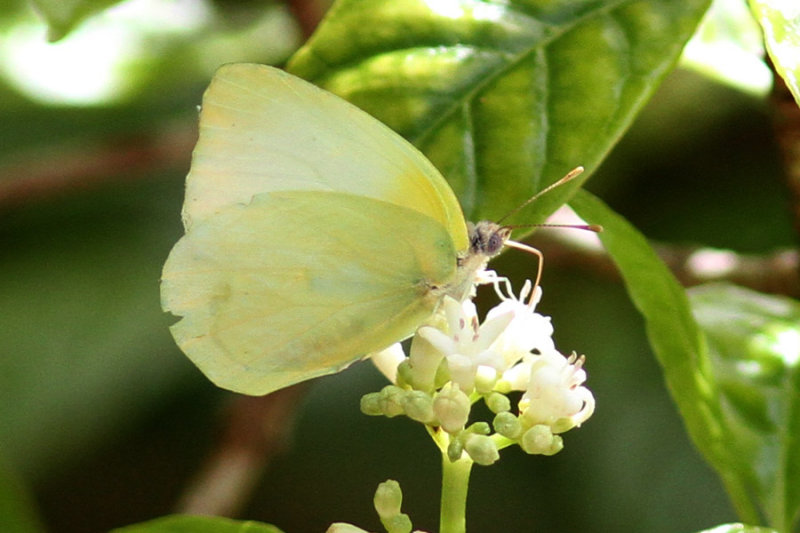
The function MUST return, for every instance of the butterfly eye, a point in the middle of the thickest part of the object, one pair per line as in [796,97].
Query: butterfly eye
[495,244]
[497,240]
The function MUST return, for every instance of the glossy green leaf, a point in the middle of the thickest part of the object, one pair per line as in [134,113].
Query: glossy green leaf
[780,21]
[63,15]
[198,524]
[17,514]
[738,528]
[679,345]
[503,97]
[754,342]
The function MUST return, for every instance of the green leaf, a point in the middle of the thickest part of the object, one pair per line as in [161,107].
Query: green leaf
[17,514]
[198,524]
[738,528]
[678,344]
[62,16]
[780,21]
[728,47]
[503,97]
[754,342]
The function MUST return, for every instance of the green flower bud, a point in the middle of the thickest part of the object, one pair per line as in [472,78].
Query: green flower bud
[562,425]
[399,523]
[388,499]
[537,439]
[498,403]
[418,406]
[442,375]
[451,407]
[404,374]
[341,527]
[481,449]
[480,428]
[454,450]
[371,404]
[556,446]
[540,440]
[508,425]
[391,400]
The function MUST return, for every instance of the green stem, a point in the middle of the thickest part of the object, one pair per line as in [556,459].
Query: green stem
[455,482]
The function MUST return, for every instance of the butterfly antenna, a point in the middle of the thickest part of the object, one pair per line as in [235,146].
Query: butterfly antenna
[595,228]
[571,175]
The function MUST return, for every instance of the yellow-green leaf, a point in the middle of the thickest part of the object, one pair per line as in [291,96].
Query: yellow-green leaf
[780,21]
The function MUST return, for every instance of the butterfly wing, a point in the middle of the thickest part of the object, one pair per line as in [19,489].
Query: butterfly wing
[302,283]
[262,130]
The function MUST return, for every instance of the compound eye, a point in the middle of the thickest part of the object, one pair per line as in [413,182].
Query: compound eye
[495,243]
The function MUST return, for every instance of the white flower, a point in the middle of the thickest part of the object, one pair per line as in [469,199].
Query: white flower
[528,330]
[454,357]
[388,359]
[555,396]
[467,346]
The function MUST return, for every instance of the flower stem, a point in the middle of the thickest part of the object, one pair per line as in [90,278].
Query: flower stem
[455,482]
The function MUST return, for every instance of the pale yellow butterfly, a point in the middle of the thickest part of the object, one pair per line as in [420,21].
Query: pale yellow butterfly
[315,235]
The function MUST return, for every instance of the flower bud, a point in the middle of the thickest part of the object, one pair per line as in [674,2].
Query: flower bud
[400,523]
[498,403]
[371,404]
[388,498]
[451,407]
[482,449]
[404,374]
[454,450]
[391,400]
[540,440]
[479,428]
[507,425]
[341,527]
[562,425]
[418,406]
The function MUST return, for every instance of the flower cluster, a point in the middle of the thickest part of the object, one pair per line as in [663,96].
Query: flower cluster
[454,361]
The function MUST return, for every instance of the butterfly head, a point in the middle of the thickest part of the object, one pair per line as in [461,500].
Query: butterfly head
[487,238]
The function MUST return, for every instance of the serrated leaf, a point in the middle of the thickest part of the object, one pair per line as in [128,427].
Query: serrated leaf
[62,16]
[780,21]
[503,97]
[754,342]
[198,524]
[678,344]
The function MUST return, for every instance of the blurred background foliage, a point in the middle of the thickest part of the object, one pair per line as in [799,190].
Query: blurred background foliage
[103,422]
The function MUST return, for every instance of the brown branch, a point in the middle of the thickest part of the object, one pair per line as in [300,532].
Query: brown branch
[307,13]
[49,171]
[258,429]
[786,124]
[775,273]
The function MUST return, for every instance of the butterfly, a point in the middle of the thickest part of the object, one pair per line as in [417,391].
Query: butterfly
[314,235]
